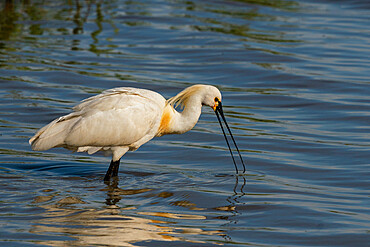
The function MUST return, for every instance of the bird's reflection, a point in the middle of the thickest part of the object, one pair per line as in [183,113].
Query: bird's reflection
[112,186]
[112,225]
[233,201]
[239,193]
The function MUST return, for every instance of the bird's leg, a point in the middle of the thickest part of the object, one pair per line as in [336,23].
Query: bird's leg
[109,171]
[112,170]
[115,169]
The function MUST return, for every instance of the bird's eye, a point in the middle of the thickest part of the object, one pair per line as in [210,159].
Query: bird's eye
[216,99]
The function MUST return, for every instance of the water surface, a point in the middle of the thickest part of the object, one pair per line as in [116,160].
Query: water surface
[295,82]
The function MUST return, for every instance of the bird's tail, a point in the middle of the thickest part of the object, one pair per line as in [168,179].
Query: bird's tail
[53,134]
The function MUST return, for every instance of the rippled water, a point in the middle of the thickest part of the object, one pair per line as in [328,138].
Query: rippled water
[295,82]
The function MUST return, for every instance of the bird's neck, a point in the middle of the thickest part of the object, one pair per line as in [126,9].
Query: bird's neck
[174,122]
[188,118]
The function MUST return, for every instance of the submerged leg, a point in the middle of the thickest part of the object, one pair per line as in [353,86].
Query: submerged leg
[112,170]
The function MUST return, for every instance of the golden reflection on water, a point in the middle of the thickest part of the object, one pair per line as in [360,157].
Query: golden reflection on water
[110,225]
[99,227]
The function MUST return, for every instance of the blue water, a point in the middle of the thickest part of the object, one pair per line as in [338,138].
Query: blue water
[295,82]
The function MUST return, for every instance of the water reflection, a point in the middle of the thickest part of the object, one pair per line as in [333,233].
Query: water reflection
[8,19]
[80,18]
[233,201]
[112,225]
[99,227]
[114,193]
[28,18]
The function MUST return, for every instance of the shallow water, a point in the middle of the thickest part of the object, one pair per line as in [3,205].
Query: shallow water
[295,83]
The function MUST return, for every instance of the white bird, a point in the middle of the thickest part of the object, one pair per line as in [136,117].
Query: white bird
[122,119]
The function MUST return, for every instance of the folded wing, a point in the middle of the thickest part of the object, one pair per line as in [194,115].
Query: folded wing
[116,118]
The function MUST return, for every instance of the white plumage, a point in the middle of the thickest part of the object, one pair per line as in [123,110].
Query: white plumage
[122,119]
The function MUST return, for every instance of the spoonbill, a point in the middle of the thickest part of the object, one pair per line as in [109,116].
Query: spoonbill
[122,119]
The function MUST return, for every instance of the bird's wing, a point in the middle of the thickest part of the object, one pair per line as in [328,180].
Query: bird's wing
[106,99]
[117,117]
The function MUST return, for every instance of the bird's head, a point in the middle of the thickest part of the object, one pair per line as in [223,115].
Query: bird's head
[211,97]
